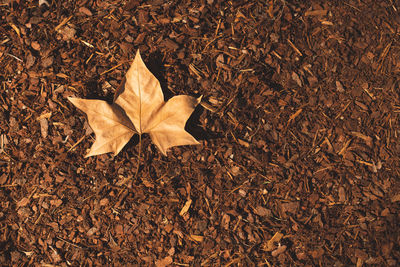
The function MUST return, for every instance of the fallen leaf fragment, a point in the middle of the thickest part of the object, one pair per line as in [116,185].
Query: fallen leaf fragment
[138,107]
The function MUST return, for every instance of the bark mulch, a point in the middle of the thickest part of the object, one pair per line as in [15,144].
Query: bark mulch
[299,131]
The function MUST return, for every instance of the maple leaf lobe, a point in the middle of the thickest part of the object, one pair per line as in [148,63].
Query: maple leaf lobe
[111,126]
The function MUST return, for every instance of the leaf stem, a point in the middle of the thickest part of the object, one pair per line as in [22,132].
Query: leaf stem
[139,154]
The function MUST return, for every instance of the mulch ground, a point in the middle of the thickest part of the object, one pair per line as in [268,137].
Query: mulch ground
[299,131]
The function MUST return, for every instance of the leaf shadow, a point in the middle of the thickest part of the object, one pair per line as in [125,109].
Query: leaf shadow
[265,74]
[94,90]
[133,142]
[193,126]
[154,63]
[6,249]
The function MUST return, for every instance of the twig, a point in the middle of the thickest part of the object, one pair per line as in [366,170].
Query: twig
[20,60]
[65,21]
[294,48]
[9,185]
[120,64]
[77,143]
[219,25]
[72,244]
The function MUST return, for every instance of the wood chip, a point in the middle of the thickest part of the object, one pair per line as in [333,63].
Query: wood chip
[395,198]
[321,12]
[278,251]
[197,238]
[270,245]
[339,87]
[44,127]
[23,202]
[185,208]
[85,11]
[164,262]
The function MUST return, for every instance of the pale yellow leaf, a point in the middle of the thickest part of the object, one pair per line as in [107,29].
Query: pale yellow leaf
[139,107]
[143,101]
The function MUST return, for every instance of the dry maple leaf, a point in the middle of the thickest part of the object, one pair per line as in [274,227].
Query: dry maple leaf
[138,108]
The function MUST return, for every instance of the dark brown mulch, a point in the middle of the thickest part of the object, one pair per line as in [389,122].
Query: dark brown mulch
[299,161]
